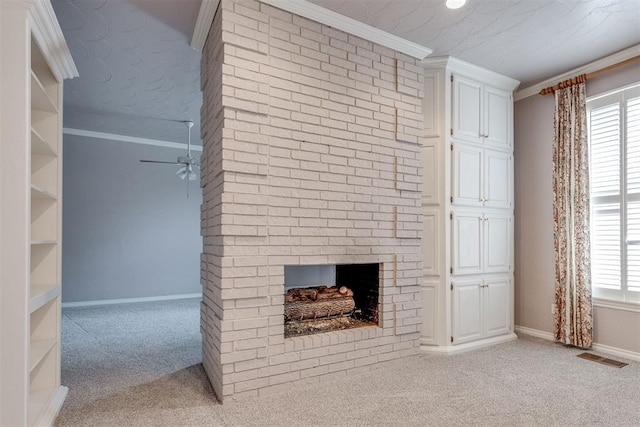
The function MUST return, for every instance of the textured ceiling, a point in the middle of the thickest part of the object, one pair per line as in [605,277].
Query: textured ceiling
[529,40]
[138,74]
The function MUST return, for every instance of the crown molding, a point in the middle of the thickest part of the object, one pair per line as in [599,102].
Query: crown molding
[470,70]
[348,25]
[203,24]
[601,63]
[318,14]
[48,35]
[125,138]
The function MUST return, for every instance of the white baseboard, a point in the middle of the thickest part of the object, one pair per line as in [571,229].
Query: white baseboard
[53,406]
[129,300]
[613,351]
[619,352]
[535,333]
[460,348]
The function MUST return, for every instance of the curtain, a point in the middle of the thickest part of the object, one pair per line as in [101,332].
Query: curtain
[573,314]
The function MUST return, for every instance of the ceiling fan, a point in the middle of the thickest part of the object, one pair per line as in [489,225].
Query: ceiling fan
[189,166]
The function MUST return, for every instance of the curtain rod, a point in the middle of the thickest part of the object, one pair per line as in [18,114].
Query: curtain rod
[585,77]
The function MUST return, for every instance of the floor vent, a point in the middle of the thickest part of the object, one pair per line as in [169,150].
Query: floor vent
[603,360]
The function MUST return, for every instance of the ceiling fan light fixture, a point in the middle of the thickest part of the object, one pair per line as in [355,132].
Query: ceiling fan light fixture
[188,166]
[455,4]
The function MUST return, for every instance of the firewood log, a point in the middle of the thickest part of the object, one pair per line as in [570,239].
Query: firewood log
[301,294]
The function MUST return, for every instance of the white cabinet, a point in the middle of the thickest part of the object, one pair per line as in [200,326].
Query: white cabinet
[481,242]
[481,113]
[497,306]
[468,156]
[481,177]
[31,107]
[481,308]
[467,109]
[497,179]
[497,117]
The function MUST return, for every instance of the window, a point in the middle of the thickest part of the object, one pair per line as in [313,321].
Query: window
[614,141]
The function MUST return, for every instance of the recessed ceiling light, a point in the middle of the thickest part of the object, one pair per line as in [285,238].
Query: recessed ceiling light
[455,4]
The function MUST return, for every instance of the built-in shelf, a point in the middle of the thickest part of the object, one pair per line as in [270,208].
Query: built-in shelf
[38,351]
[39,145]
[42,294]
[39,193]
[40,100]
[43,242]
[38,60]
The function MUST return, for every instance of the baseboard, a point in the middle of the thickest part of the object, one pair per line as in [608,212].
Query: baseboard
[619,352]
[474,345]
[51,411]
[535,333]
[613,351]
[129,300]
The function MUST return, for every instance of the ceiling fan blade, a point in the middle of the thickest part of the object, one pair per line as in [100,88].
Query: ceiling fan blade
[158,161]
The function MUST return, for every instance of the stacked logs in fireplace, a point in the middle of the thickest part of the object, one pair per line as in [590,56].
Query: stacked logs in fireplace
[351,303]
[318,302]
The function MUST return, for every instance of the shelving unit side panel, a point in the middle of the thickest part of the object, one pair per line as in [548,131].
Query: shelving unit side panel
[14,221]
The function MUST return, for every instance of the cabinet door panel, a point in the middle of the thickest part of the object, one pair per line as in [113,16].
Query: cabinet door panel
[431,229]
[466,173]
[430,305]
[497,179]
[466,245]
[496,117]
[467,95]
[431,183]
[497,243]
[496,307]
[466,311]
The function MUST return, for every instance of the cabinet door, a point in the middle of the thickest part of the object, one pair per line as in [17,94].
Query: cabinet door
[497,243]
[466,172]
[466,105]
[497,115]
[496,306]
[466,243]
[466,311]
[497,179]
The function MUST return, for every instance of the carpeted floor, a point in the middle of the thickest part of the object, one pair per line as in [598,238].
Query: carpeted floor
[138,365]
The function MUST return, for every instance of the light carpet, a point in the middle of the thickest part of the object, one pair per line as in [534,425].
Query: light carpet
[139,365]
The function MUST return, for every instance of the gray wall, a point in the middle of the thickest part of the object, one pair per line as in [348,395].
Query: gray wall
[534,261]
[129,229]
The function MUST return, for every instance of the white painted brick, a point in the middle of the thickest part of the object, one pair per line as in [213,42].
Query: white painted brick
[307,152]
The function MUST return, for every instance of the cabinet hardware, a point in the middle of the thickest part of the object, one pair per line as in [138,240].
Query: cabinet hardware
[451,285]
[451,270]
[450,215]
[452,338]
[451,131]
[452,146]
[451,199]
[451,78]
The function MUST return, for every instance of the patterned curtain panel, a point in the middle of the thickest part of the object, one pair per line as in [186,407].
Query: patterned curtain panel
[573,315]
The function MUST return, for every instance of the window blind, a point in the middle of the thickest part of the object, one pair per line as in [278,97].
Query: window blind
[614,144]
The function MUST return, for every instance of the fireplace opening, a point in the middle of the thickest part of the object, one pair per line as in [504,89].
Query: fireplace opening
[323,298]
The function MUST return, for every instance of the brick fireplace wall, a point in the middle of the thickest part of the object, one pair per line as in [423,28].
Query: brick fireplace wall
[311,156]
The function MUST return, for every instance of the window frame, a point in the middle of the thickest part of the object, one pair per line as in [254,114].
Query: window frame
[623,297]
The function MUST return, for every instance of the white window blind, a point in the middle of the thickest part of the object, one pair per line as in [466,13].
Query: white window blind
[614,142]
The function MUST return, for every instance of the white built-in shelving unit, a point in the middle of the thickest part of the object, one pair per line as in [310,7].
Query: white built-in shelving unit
[31,202]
